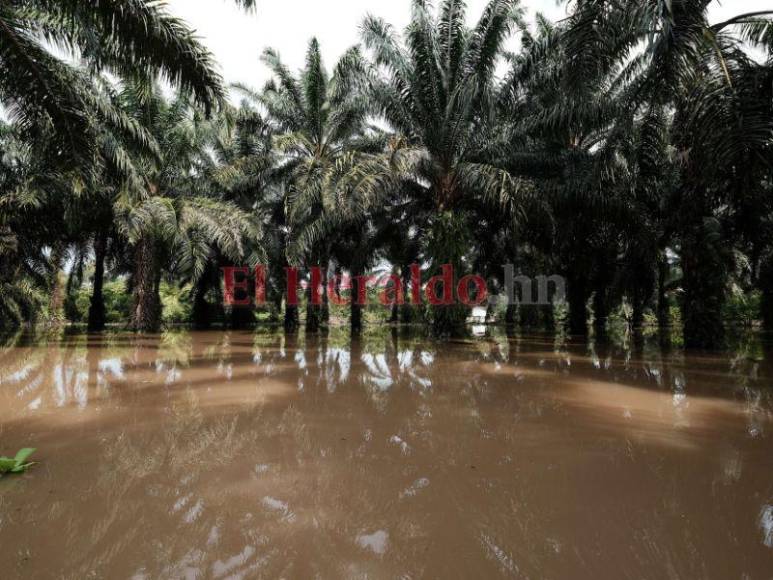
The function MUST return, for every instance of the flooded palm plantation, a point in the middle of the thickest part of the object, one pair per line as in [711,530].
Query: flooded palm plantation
[240,455]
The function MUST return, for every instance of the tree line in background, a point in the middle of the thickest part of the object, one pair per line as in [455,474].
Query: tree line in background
[628,148]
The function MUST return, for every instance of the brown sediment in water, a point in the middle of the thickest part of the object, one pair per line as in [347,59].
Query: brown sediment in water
[233,455]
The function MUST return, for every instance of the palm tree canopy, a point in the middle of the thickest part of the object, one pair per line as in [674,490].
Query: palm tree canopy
[436,89]
[179,206]
[319,123]
[48,97]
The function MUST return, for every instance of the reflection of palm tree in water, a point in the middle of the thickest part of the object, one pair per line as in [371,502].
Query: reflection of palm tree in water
[386,433]
[153,483]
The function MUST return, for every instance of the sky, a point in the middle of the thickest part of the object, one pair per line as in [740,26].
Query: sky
[238,38]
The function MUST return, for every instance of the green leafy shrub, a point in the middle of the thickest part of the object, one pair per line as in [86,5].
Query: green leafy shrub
[177,303]
[743,308]
[117,302]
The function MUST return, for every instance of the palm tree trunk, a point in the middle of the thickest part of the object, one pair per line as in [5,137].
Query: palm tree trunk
[201,308]
[356,318]
[547,311]
[291,319]
[578,307]
[325,315]
[637,320]
[56,302]
[97,308]
[511,315]
[600,312]
[449,241]
[146,308]
[765,282]
[705,282]
[313,312]
[240,317]
[664,316]
[394,316]
[355,312]
[527,311]
[408,309]
[275,306]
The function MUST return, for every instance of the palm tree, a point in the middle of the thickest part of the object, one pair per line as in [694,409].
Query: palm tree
[51,97]
[705,75]
[562,141]
[36,220]
[253,176]
[650,220]
[436,91]
[170,223]
[19,300]
[319,126]
[72,119]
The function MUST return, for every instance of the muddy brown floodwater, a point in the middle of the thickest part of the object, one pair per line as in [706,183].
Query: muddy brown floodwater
[239,455]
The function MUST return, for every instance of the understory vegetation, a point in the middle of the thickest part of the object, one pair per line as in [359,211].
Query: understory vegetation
[627,148]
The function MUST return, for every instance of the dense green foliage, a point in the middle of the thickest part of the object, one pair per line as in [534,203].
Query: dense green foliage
[627,148]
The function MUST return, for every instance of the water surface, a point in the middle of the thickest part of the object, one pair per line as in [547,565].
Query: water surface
[240,455]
